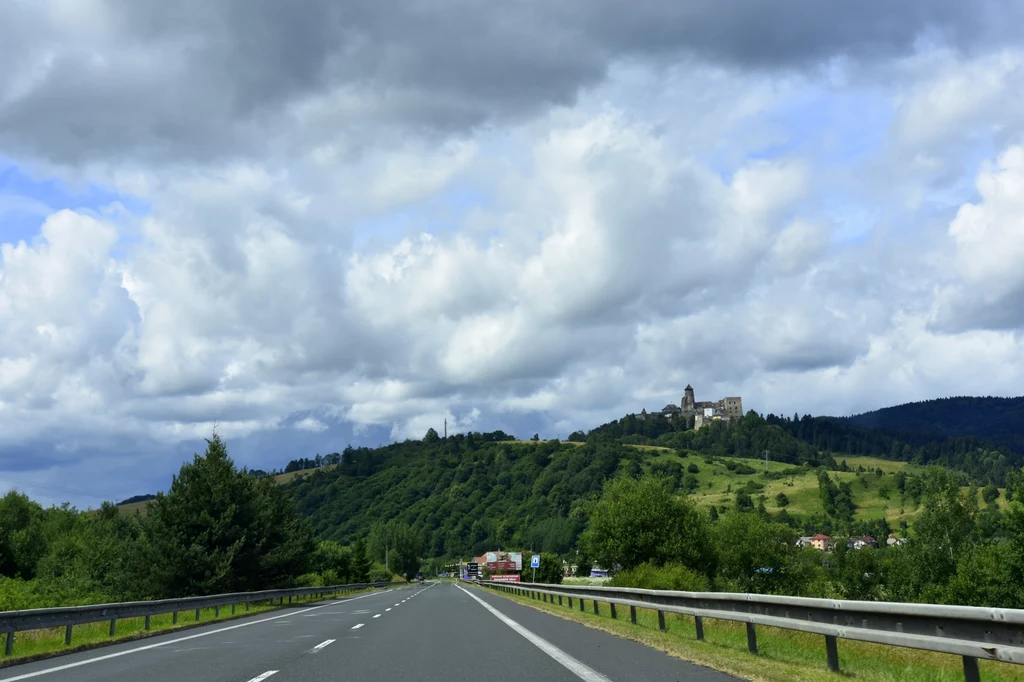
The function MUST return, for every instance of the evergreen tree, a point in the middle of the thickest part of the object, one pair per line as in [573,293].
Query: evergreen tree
[219,529]
[360,562]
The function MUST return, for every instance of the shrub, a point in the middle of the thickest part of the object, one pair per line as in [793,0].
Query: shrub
[379,574]
[671,576]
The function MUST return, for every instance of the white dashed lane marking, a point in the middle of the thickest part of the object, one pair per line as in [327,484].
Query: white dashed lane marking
[260,678]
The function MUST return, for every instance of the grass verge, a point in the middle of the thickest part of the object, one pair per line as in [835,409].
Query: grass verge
[783,655]
[32,645]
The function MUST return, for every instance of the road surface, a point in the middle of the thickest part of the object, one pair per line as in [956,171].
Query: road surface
[438,632]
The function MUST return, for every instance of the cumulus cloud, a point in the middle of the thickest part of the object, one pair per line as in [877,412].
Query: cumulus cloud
[198,80]
[988,235]
[359,221]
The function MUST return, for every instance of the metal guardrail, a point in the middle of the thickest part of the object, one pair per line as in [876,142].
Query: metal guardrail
[971,632]
[69,616]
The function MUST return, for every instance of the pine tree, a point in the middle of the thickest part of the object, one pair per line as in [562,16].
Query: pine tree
[360,562]
[219,529]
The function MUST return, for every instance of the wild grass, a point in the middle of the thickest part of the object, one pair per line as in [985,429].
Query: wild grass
[783,655]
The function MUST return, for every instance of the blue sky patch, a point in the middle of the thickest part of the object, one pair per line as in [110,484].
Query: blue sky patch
[25,202]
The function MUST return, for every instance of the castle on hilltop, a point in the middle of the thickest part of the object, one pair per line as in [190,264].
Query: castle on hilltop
[703,412]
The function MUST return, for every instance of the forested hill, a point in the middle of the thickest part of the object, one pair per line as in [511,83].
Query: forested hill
[1000,420]
[462,493]
[983,437]
[471,491]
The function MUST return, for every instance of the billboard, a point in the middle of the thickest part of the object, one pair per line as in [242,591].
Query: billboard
[518,558]
[512,578]
[501,566]
[492,557]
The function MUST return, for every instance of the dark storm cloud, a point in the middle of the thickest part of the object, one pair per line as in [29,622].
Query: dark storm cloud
[197,79]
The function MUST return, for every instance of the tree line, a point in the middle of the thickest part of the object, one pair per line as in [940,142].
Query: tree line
[217,529]
[957,551]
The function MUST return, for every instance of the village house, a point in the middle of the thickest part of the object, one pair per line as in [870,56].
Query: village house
[822,542]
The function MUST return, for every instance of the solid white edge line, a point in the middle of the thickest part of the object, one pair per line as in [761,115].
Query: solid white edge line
[356,627]
[574,666]
[147,647]
[260,678]
[321,645]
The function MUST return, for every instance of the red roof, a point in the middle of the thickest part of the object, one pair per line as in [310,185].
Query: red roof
[819,536]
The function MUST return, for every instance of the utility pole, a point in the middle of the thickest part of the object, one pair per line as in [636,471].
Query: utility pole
[766,461]
[446,428]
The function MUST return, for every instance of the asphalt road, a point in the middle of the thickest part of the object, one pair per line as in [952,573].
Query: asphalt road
[435,633]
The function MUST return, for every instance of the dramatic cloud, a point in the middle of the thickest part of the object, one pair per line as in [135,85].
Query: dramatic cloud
[323,223]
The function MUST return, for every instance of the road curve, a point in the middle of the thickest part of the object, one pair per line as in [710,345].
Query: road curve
[437,633]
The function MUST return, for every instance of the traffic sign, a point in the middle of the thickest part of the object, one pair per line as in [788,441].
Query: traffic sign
[535,561]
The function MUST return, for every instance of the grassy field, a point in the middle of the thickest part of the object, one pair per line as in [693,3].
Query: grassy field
[35,644]
[783,655]
[718,485]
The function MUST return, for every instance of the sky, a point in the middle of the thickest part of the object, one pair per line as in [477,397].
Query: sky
[311,224]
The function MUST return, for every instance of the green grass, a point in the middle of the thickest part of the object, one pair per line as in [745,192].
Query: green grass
[783,655]
[43,643]
[802,488]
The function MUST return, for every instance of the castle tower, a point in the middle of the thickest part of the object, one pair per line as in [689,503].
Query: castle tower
[688,400]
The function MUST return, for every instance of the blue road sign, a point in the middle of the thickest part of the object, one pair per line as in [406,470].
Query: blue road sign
[535,561]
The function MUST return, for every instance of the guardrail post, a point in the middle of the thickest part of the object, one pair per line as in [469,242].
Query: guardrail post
[632,614]
[216,611]
[147,621]
[971,673]
[582,605]
[570,602]
[67,634]
[174,618]
[661,620]
[832,653]
[559,600]
[197,615]
[699,622]
[9,646]
[596,612]
[113,626]
[232,609]
[246,606]
[613,609]
[751,638]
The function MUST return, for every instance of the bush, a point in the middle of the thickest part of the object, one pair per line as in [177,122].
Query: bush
[642,521]
[379,574]
[693,469]
[671,576]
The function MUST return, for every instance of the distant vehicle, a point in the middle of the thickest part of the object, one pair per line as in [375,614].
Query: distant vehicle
[599,573]
[419,577]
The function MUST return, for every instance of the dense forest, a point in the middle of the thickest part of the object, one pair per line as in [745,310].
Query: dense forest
[982,437]
[217,529]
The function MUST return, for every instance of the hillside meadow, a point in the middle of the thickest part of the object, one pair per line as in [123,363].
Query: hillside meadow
[718,484]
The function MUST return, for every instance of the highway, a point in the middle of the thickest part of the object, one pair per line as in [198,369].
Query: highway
[435,632]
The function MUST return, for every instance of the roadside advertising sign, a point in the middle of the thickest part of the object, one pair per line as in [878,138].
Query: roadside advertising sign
[511,578]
